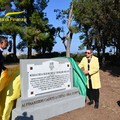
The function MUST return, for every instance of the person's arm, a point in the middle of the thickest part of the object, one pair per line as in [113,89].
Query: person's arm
[95,67]
[81,64]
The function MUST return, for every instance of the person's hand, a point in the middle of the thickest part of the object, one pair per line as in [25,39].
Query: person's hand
[86,72]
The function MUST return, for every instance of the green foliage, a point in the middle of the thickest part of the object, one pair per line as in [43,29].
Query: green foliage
[3,4]
[77,57]
[22,56]
[99,21]
[36,33]
[10,27]
[38,19]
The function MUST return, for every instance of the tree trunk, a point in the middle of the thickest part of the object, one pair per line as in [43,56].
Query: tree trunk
[29,51]
[14,44]
[70,32]
[68,48]
[69,44]
[103,53]
[68,38]
[98,53]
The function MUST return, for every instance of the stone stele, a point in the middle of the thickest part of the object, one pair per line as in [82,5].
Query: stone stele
[46,89]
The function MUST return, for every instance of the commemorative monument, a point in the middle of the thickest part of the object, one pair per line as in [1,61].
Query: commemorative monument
[46,89]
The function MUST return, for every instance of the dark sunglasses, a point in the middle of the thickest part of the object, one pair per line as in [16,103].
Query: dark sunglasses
[87,53]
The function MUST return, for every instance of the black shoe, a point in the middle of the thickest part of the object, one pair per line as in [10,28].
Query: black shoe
[118,102]
[96,105]
[90,103]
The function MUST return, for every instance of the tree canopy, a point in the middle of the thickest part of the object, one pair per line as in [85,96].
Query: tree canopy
[35,32]
[99,21]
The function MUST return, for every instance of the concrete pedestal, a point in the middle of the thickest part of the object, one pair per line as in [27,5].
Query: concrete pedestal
[48,105]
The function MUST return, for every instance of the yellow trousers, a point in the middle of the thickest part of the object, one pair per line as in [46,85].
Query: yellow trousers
[9,91]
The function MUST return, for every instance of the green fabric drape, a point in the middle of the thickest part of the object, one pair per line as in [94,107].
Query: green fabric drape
[79,79]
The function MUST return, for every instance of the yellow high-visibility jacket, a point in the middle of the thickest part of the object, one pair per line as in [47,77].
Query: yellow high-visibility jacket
[93,71]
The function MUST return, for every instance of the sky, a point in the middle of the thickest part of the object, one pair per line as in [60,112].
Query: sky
[62,5]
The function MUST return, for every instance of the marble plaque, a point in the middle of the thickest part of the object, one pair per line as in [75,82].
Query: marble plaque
[47,76]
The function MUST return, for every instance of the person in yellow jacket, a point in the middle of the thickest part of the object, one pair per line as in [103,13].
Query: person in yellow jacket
[9,91]
[9,84]
[90,66]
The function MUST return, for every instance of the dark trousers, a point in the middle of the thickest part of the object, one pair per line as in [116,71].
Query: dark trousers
[93,94]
